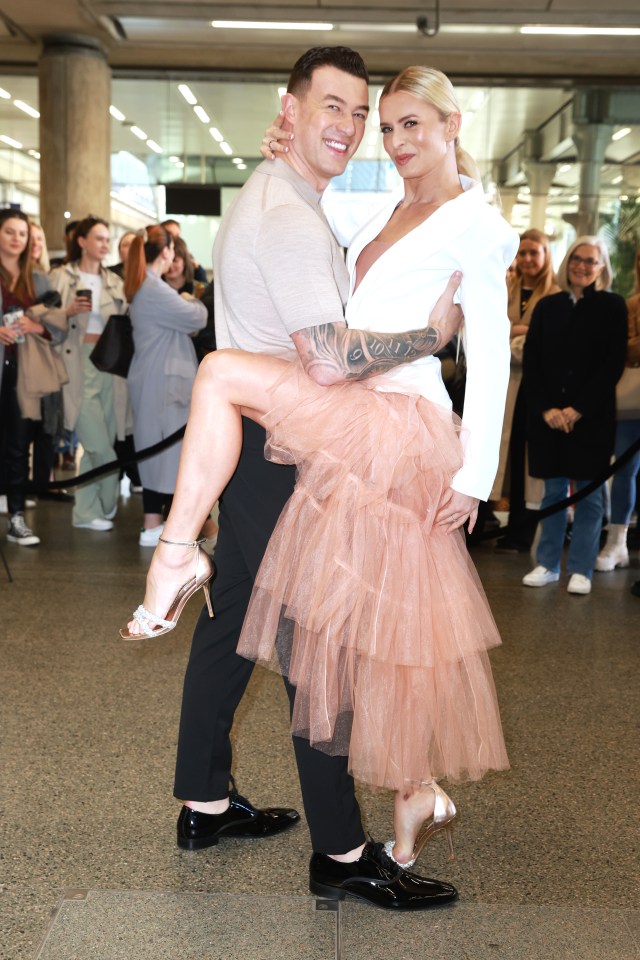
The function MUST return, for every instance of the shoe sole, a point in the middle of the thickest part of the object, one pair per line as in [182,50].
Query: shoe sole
[22,541]
[336,893]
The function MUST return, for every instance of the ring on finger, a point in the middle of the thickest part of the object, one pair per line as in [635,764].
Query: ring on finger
[269,144]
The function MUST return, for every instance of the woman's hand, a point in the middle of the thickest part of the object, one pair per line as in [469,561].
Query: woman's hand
[519,330]
[271,144]
[571,417]
[27,325]
[555,418]
[7,335]
[455,509]
[78,305]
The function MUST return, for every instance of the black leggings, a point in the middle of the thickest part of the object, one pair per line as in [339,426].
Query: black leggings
[155,502]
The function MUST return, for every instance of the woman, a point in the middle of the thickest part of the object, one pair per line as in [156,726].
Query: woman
[39,252]
[29,369]
[623,488]
[573,357]
[94,402]
[163,368]
[124,243]
[384,487]
[534,279]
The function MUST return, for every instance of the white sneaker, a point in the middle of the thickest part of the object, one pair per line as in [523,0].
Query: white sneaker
[4,509]
[149,538]
[29,504]
[578,583]
[20,533]
[540,577]
[96,524]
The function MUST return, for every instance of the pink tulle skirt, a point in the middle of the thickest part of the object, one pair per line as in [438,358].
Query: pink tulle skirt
[374,614]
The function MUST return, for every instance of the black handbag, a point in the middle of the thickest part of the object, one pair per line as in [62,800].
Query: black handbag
[113,352]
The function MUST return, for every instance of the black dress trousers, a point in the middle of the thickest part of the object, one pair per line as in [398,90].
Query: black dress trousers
[216,676]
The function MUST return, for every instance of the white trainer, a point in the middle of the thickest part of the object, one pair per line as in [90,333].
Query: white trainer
[3,504]
[578,583]
[149,538]
[540,577]
[98,523]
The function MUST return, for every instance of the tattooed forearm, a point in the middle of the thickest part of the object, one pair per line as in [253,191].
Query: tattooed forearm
[333,353]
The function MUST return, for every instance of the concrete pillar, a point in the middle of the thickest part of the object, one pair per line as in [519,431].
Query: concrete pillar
[75,132]
[591,140]
[539,177]
[508,197]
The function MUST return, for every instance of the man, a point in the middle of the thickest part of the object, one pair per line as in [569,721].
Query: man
[281,286]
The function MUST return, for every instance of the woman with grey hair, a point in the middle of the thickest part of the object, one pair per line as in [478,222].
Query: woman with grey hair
[573,357]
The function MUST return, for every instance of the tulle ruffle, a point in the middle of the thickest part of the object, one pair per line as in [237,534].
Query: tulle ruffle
[375,615]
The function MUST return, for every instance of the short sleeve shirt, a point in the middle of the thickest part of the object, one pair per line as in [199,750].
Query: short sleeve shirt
[277,266]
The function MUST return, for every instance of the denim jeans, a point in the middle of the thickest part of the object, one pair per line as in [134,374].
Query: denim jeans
[623,487]
[585,536]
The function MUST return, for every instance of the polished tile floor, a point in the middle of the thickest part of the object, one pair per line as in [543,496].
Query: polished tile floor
[547,855]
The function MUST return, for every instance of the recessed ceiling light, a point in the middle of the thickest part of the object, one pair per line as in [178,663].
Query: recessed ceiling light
[34,153]
[137,132]
[31,111]
[116,114]
[202,114]
[619,134]
[617,179]
[215,133]
[187,94]
[268,25]
[581,31]
[11,142]
[564,168]
[154,146]
[174,159]
[242,166]
[4,94]
[224,146]
[237,160]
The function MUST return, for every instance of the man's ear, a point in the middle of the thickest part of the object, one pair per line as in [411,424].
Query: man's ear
[289,108]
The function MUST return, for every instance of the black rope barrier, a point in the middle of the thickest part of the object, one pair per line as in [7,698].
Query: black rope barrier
[175,437]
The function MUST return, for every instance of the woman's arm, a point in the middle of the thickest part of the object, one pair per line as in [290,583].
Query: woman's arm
[483,297]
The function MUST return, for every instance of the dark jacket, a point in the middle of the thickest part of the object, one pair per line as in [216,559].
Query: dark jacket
[574,355]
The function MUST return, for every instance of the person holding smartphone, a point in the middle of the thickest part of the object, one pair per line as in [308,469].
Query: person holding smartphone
[94,402]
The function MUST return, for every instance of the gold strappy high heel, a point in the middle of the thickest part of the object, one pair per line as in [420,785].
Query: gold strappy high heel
[154,626]
[444,813]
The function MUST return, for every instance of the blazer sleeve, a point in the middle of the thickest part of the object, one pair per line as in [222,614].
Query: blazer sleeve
[533,363]
[483,297]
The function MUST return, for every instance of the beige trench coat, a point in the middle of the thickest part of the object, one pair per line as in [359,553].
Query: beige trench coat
[66,279]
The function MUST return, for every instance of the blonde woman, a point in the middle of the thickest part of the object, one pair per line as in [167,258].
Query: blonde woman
[573,357]
[534,279]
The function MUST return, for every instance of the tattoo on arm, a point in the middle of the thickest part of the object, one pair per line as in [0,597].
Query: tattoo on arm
[334,353]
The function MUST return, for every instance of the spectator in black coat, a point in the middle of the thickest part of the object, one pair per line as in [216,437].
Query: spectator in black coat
[574,355]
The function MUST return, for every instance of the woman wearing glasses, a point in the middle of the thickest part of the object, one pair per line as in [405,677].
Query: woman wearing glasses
[574,355]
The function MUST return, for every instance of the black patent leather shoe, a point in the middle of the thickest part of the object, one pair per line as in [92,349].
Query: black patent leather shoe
[241,819]
[377,880]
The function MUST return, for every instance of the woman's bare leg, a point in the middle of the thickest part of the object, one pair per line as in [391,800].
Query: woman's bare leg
[229,384]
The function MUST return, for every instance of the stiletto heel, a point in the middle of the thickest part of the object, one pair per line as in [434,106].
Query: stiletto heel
[154,626]
[444,813]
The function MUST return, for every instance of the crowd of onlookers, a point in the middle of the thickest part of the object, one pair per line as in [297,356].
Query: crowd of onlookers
[571,339]
[53,397]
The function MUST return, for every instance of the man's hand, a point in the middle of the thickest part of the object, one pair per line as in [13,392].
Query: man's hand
[571,417]
[446,315]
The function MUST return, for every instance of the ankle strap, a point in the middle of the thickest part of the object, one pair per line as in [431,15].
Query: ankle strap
[182,543]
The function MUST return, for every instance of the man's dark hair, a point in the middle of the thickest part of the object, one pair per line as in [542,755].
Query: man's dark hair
[342,58]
